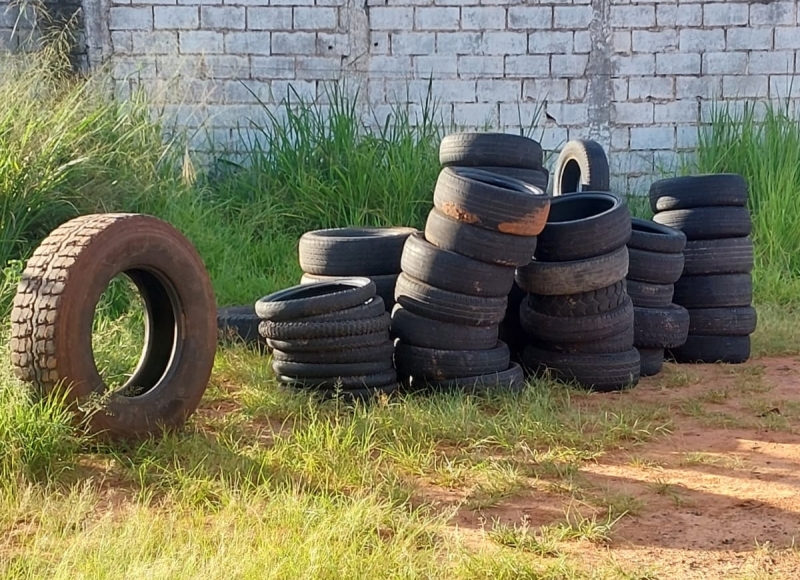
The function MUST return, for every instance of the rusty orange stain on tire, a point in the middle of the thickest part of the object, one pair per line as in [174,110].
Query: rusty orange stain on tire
[531,224]
[458,213]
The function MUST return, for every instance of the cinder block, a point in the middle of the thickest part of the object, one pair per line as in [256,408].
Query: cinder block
[504,43]
[438,18]
[272,67]
[333,43]
[550,42]
[386,18]
[651,88]
[577,89]
[247,43]
[125,18]
[436,66]
[678,64]
[480,66]
[316,18]
[318,67]
[787,38]
[654,42]
[724,63]
[176,17]
[201,42]
[637,65]
[699,40]
[582,42]
[648,138]
[293,43]
[458,43]
[706,87]
[725,14]
[676,112]
[502,91]
[765,62]
[529,66]
[483,18]
[633,113]
[222,18]
[421,43]
[749,39]
[529,17]
[572,17]
[773,14]
[271,18]
[476,115]
[545,89]
[639,16]
[750,86]
[568,114]
[121,42]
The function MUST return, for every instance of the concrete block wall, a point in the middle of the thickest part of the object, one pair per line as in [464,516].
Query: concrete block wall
[634,75]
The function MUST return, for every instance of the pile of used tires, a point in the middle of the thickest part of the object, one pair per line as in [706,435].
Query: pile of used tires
[716,284]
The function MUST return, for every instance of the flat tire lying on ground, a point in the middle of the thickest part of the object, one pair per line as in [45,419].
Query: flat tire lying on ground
[599,372]
[573,277]
[305,300]
[712,349]
[491,201]
[472,149]
[649,236]
[450,364]
[511,380]
[652,361]
[647,295]
[384,284]
[583,225]
[454,272]
[705,223]
[722,256]
[738,321]
[660,327]
[478,243]
[687,192]
[581,304]
[53,313]
[717,291]
[582,164]
[425,332]
[349,251]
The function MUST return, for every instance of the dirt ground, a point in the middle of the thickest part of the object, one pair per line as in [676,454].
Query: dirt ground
[719,497]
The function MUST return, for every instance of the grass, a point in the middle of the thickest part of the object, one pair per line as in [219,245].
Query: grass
[266,483]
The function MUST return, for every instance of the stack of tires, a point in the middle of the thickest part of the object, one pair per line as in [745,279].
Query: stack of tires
[655,256]
[374,253]
[578,316]
[453,290]
[581,165]
[332,337]
[716,285]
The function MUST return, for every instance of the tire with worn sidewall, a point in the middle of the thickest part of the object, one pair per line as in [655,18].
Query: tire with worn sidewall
[471,149]
[574,277]
[582,162]
[599,372]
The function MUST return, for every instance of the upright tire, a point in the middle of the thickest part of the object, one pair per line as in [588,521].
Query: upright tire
[582,165]
[53,312]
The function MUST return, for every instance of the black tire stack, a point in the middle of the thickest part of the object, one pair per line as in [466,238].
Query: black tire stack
[578,315]
[716,285]
[655,263]
[332,337]
[453,291]
[337,253]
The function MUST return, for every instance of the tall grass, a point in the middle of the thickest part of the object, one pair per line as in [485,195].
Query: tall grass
[761,141]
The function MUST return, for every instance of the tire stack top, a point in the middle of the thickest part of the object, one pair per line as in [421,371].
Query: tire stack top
[353,252]
[332,337]
[453,291]
[716,285]
[578,315]
[655,256]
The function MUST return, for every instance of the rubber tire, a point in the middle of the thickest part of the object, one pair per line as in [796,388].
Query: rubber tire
[652,361]
[327,329]
[491,149]
[536,177]
[725,256]
[649,236]
[491,201]
[384,285]
[712,349]
[376,353]
[580,329]
[584,225]
[416,361]
[239,323]
[54,307]
[324,345]
[305,300]
[741,321]
[574,277]
[329,384]
[620,342]
[597,372]
[327,370]
[654,267]
[687,192]
[582,162]
[717,291]
[425,300]
[705,223]
[647,295]
[660,327]
[425,332]
[511,380]
[370,309]
[478,243]
[352,251]
[582,304]
[454,272]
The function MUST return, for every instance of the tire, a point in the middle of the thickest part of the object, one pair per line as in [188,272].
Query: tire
[415,361]
[328,329]
[454,272]
[325,345]
[652,361]
[374,381]
[649,236]
[654,267]
[383,351]
[239,323]
[306,300]
[353,251]
[478,243]
[511,380]
[660,327]
[370,309]
[574,277]
[582,164]
[53,310]
[536,177]
[598,372]
[549,329]
[740,321]
[425,332]
[718,291]
[583,225]
[705,223]
[384,285]
[725,256]
[491,201]
[582,304]
[647,295]
[327,370]
[712,349]
[437,304]
[492,149]
[711,190]
[619,342]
